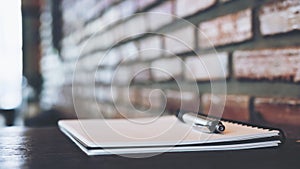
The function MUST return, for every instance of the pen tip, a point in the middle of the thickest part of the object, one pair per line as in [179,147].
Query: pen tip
[220,128]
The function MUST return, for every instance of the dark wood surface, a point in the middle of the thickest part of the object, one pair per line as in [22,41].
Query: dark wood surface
[42,148]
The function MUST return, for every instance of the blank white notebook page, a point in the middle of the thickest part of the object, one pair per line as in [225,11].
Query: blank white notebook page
[163,131]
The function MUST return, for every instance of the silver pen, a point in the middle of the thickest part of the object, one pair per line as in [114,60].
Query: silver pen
[200,122]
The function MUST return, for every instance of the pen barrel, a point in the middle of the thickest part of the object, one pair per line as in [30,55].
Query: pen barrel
[193,118]
[201,121]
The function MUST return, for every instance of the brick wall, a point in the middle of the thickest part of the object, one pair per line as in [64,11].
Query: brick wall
[256,43]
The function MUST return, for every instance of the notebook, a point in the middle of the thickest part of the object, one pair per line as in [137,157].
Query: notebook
[163,134]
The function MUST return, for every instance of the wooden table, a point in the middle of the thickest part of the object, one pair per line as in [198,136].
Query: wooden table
[42,148]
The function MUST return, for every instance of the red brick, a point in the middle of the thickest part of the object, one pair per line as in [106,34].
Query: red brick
[125,74]
[73,18]
[94,7]
[227,29]
[66,99]
[88,46]
[128,96]
[94,60]
[206,67]
[188,7]
[105,40]
[122,112]
[111,15]
[77,91]
[99,7]
[87,109]
[160,15]
[236,106]
[144,3]
[125,112]
[102,41]
[128,8]
[279,110]
[83,78]
[108,111]
[134,95]
[268,64]
[69,50]
[150,47]
[141,72]
[110,58]
[166,69]
[135,26]
[123,95]
[119,33]
[129,51]
[184,100]
[180,40]
[104,76]
[151,99]
[279,17]
[89,63]
[122,75]
[93,27]
[134,100]
[105,93]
